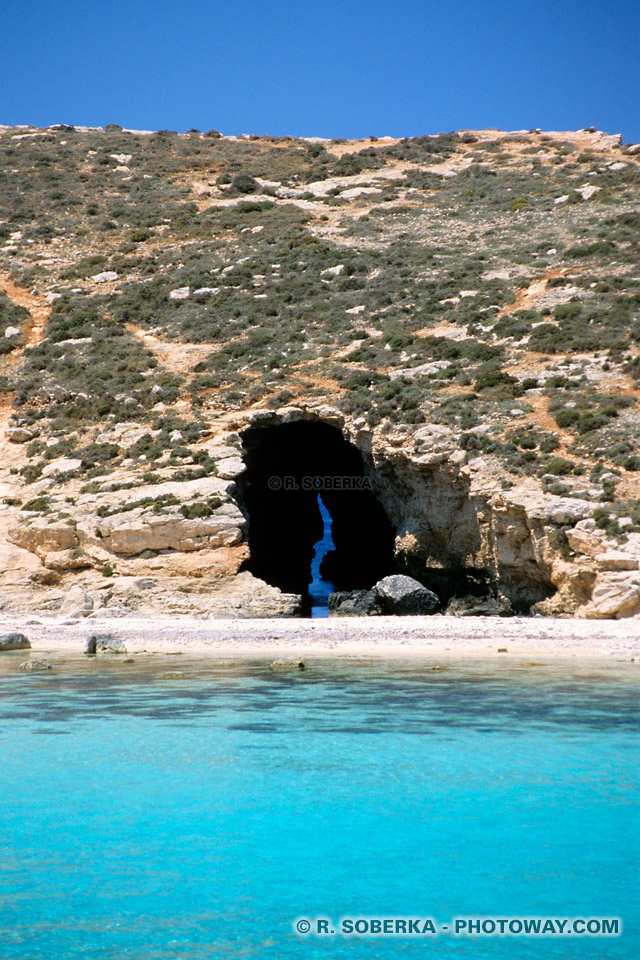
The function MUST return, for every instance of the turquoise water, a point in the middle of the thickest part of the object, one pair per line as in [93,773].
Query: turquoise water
[196,818]
[319,588]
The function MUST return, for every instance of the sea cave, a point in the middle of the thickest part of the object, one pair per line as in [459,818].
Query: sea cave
[306,487]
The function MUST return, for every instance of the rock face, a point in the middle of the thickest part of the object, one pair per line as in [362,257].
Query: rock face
[14,641]
[132,533]
[404,596]
[455,526]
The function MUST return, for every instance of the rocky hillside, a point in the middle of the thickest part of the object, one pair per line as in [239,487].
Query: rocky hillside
[463,308]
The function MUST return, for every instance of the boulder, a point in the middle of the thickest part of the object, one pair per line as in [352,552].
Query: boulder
[479,607]
[107,276]
[60,393]
[587,191]
[334,271]
[616,598]
[587,542]
[354,603]
[404,596]
[19,435]
[14,641]
[78,603]
[105,643]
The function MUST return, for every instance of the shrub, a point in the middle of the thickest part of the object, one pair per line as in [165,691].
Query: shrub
[193,511]
[245,183]
[489,379]
[559,467]
[566,418]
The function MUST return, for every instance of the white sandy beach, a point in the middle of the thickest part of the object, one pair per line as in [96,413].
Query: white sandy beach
[385,637]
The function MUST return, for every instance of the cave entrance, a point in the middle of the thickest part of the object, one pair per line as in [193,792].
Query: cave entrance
[313,518]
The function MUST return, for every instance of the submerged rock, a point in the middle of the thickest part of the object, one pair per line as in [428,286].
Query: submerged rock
[14,641]
[404,596]
[478,607]
[35,665]
[354,603]
[287,665]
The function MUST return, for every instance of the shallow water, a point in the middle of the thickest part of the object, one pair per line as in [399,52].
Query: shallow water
[195,818]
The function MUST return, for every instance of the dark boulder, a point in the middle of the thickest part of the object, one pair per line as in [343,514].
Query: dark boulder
[14,641]
[404,596]
[479,607]
[354,603]
[105,643]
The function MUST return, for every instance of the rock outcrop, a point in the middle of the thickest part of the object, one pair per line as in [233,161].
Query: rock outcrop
[456,528]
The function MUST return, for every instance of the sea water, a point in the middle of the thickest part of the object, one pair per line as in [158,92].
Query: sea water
[320,588]
[188,818]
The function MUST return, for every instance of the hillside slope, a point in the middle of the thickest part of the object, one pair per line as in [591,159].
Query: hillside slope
[464,308]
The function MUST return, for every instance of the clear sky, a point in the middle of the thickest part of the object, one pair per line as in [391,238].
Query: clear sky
[350,68]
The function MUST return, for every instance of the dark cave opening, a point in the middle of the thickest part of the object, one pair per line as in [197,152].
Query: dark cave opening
[288,466]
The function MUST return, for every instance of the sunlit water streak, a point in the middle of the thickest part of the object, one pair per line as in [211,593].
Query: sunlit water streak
[165,820]
[320,588]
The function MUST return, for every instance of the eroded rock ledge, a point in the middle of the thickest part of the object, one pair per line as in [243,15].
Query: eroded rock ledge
[181,546]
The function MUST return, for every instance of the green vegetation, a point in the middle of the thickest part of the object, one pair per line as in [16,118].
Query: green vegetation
[400,305]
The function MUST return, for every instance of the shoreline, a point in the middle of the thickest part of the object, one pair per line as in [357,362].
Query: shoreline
[379,637]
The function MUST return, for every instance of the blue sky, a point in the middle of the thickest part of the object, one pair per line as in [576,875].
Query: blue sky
[352,68]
